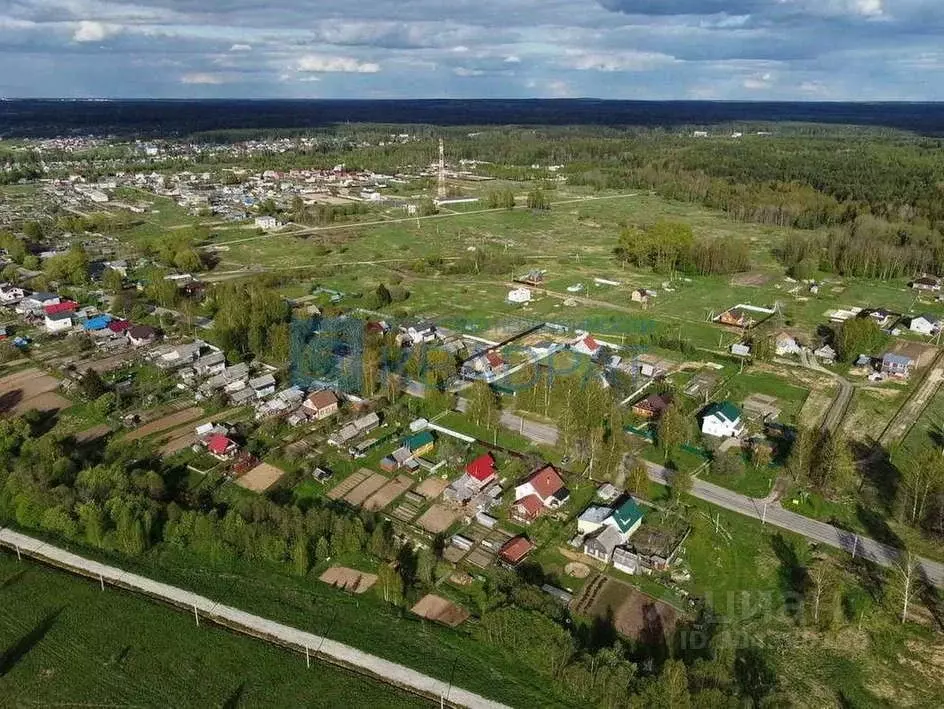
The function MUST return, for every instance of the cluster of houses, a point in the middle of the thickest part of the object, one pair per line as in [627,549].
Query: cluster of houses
[61,315]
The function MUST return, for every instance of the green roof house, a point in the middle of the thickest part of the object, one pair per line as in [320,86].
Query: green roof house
[625,519]
[722,420]
[421,443]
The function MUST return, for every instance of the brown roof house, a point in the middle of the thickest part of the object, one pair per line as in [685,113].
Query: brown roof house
[543,490]
[321,404]
[652,406]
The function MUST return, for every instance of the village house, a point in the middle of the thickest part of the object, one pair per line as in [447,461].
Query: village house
[321,404]
[421,444]
[736,317]
[786,344]
[10,294]
[722,420]
[58,322]
[741,349]
[221,447]
[587,346]
[515,550]
[652,406]
[263,386]
[897,365]
[141,335]
[478,475]
[925,324]
[267,223]
[826,354]
[641,295]
[35,302]
[543,490]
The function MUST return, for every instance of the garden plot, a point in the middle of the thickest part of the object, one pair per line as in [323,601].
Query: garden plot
[633,614]
[348,579]
[431,487]
[437,519]
[30,389]
[406,511]
[433,607]
[368,487]
[388,493]
[348,484]
[260,478]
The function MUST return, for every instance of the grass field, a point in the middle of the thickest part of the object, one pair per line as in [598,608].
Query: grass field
[66,643]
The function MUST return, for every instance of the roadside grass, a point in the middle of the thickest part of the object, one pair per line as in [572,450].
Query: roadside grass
[68,642]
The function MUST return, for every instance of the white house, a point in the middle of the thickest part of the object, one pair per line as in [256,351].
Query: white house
[58,322]
[925,325]
[786,344]
[267,223]
[36,302]
[419,332]
[586,345]
[740,349]
[722,421]
[11,294]
[519,295]
[263,386]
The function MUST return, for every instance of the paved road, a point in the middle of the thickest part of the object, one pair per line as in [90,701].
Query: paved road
[540,433]
[771,512]
[774,514]
[297,640]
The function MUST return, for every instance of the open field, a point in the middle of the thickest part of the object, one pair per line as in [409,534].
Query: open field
[30,389]
[164,423]
[65,642]
[431,487]
[260,478]
[348,579]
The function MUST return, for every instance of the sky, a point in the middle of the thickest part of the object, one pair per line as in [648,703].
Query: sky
[857,50]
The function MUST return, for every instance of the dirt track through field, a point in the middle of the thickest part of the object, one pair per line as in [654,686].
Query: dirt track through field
[915,405]
[164,423]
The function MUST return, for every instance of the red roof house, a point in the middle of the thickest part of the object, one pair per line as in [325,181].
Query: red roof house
[494,359]
[66,306]
[482,469]
[547,486]
[515,550]
[527,509]
[587,346]
[118,326]
[221,446]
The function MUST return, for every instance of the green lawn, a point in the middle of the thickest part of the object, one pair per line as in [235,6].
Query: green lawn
[65,642]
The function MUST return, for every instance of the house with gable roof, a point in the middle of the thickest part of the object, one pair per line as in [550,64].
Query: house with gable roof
[722,420]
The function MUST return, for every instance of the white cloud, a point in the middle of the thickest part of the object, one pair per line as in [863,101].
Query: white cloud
[512,59]
[758,82]
[616,61]
[465,72]
[90,31]
[203,78]
[324,64]
[241,48]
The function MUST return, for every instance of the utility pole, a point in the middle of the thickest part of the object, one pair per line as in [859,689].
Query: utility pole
[195,616]
[442,170]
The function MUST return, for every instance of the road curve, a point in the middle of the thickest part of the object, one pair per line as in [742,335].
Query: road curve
[774,514]
[770,512]
[320,647]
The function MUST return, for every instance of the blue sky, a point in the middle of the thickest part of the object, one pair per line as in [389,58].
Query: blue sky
[626,49]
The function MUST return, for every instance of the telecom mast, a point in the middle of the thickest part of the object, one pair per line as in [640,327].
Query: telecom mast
[442,169]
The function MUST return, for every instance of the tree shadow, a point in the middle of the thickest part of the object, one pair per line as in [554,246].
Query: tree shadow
[877,528]
[754,674]
[870,577]
[878,470]
[235,699]
[9,400]
[932,600]
[794,579]
[652,635]
[600,633]
[27,642]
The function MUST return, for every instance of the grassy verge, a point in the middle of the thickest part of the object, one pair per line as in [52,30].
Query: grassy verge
[67,642]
